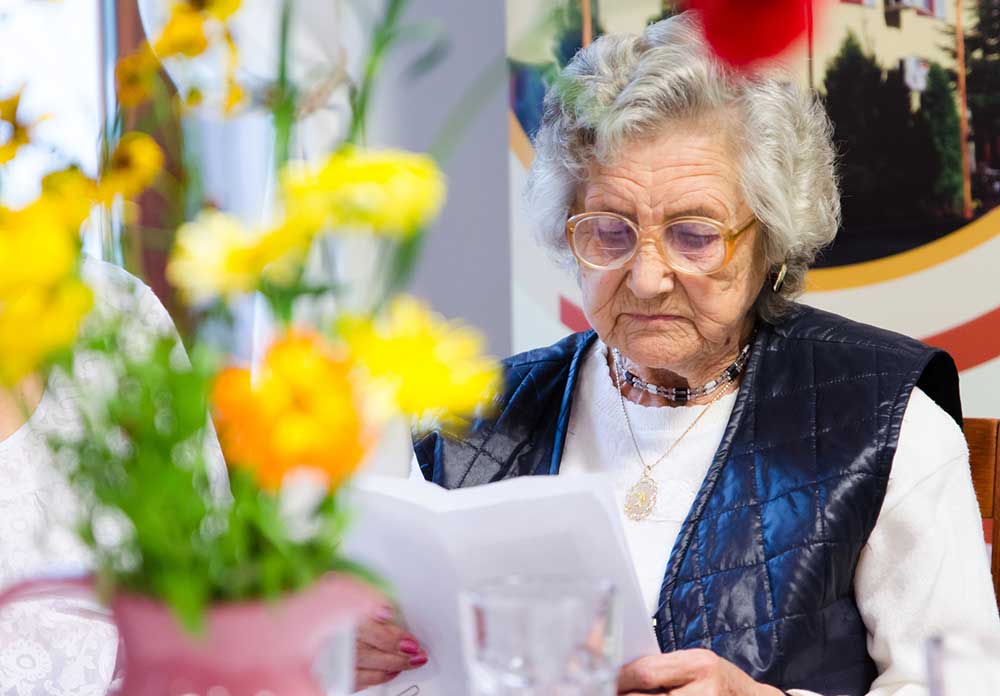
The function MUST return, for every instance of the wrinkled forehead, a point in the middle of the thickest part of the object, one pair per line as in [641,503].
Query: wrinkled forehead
[681,168]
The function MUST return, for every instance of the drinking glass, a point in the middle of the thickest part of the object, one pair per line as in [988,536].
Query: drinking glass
[542,636]
[964,665]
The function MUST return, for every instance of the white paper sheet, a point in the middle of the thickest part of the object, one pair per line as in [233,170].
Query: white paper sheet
[430,544]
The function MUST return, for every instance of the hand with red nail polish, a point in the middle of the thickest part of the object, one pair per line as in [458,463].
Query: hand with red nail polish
[384,650]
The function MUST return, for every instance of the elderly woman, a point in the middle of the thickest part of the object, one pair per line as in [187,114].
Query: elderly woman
[795,486]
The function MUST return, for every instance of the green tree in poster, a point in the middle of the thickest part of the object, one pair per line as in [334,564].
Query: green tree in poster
[852,84]
[908,158]
[886,157]
[939,114]
[982,46]
[569,29]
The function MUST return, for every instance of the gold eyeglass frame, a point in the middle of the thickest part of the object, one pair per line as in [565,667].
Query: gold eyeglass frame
[729,236]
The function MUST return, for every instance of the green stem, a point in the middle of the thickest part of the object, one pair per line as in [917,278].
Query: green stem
[284,102]
[402,261]
[382,38]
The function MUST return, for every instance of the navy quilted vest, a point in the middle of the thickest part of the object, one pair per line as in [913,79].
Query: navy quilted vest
[762,570]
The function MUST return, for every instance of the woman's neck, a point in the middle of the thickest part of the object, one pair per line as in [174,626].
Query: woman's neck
[17,403]
[692,376]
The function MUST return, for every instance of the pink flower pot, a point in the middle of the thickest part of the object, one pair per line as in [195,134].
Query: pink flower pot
[246,649]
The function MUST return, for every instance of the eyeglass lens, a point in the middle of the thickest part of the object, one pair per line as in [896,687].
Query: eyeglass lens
[606,241]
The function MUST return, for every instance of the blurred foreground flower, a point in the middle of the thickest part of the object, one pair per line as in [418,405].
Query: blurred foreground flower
[23,351]
[184,34]
[133,166]
[300,412]
[390,192]
[20,131]
[743,32]
[221,10]
[192,27]
[217,256]
[435,369]
[42,300]
[135,76]
[71,193]
[36,248]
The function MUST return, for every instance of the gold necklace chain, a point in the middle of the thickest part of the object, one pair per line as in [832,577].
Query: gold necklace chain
[641,498]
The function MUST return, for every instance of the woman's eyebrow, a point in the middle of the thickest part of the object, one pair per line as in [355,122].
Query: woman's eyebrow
[696,211]
[602,207]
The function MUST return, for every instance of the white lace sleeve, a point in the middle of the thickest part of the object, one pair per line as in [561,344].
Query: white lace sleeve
[46,647]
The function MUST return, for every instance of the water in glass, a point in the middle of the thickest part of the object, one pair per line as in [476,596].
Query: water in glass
[542,636]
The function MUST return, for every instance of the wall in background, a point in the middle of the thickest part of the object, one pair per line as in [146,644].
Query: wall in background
[465,271]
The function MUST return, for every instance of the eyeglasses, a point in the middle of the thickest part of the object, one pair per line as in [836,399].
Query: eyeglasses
[690,244]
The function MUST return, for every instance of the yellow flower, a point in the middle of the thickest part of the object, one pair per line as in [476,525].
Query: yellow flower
[390,192]
[41,299]
[72,193]
[305,200]
[301,412]
[135,76]
[234,99]
[9,106]
[134,165]
[234,96]
[20,131]
[194,98]
[209,258]
[183,35]
[220,9]
[38,322]
[37,248]
[216,255]
[435,369]
[19,137]
[280,252]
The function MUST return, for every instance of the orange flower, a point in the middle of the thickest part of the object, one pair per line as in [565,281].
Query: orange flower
[301,412]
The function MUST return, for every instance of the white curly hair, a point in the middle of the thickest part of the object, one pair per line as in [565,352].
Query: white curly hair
[623,87]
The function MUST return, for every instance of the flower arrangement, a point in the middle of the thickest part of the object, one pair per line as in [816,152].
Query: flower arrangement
[159,523]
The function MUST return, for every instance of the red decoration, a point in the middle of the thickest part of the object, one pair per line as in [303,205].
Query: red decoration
[742,32]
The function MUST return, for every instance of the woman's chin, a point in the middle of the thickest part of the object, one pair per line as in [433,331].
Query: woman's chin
[658,354]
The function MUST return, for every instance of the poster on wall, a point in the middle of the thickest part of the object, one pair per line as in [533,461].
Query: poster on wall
[919,248]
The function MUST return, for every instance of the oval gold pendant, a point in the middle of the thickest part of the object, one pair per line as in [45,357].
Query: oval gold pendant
[641,499]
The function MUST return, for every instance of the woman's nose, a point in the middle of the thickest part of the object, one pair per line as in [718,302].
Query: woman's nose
[649,274]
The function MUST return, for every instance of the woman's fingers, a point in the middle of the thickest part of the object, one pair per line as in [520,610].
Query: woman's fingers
[655,673]
[386,637]
[371,658]
[383,650]
[694,672]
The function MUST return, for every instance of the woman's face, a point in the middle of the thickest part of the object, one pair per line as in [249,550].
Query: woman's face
[658,318]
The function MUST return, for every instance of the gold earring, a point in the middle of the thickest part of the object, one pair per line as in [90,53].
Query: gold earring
[781,278]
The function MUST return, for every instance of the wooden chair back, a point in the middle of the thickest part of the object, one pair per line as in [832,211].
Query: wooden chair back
[983,436]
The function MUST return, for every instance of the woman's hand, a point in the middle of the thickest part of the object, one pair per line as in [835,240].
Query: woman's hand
[384,650]
[689,673]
